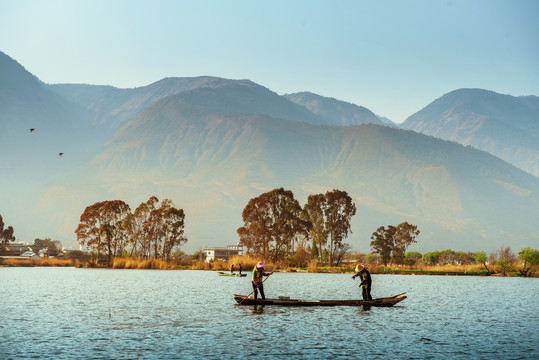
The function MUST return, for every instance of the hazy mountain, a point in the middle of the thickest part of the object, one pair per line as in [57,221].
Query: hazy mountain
[112,107]
[387,121]
[503,125]
[211,162]
[336,112]
[60,126]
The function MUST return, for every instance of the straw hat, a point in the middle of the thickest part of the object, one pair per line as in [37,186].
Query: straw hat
[260,265]
[359,267]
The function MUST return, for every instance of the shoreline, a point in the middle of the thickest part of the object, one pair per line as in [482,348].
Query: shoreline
[385,270]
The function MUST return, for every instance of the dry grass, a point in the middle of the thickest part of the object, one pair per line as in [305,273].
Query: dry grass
[313,266]
[133,263]
[56,262]
[18,262]
[474,267]
[248,262]
[214,265]
[40,262]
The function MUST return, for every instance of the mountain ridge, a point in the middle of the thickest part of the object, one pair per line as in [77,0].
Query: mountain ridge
[337,112]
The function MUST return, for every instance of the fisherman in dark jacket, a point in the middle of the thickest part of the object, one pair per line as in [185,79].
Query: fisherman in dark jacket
[366,281]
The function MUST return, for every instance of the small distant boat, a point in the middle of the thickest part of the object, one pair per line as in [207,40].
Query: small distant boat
[221,273]
[285,301]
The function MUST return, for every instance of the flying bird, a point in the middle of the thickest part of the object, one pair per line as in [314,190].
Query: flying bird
[60,154]
[32,130]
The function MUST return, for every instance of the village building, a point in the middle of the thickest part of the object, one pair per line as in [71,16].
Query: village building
[23,251]
[222,253]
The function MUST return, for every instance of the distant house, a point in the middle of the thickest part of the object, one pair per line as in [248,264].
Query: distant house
[29,255]
[222,253]
[15,249]
[18,250]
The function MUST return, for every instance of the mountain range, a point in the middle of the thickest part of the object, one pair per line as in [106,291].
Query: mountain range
[210,144]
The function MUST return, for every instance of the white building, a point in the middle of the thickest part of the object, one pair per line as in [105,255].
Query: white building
[222,253]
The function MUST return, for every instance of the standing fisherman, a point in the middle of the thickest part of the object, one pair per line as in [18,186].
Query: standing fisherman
[257,281]
[366,281]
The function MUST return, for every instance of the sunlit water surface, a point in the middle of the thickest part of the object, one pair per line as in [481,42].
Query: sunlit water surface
[69,313]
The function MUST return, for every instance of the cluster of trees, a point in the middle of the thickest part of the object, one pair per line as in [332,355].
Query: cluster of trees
[506,259]
[153,230]
[6,234]
[391,242]
[54,246]
[275,225]
[503,258]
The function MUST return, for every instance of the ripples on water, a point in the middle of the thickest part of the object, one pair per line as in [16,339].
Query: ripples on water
[68,313]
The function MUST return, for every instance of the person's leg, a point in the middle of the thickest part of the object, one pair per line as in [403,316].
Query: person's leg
[255,288]
[364,292]
[369,292]
[261,288]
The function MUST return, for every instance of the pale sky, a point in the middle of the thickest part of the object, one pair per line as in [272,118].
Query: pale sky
[393,57]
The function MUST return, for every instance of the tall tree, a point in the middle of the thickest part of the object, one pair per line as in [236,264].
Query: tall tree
[134,226]
[6,235]
[530,257]
[330,215]
[481,258]
[391,243]
[382,242]
[315,212]
[271,222]
[339,212]
[165,228]
[404,236]
[101,227]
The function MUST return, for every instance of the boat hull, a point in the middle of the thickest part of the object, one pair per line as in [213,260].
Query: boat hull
[384,302]
[220,273]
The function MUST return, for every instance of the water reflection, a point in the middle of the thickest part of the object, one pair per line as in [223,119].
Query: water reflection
[54,313]
[257,309]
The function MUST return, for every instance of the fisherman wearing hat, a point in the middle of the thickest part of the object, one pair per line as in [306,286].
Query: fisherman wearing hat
[258,273]
[366,281]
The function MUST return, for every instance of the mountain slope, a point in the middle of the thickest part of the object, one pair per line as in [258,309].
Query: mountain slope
[503,125]
[336,112]
[60,126]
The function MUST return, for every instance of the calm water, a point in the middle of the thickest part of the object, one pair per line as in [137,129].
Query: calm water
[68,313]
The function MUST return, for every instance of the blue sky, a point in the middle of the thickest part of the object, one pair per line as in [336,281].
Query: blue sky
[393,57]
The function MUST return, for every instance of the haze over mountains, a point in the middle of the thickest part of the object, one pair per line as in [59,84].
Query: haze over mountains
[211,144]
[503,125]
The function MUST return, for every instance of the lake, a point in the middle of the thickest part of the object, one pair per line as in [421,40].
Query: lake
[70,313]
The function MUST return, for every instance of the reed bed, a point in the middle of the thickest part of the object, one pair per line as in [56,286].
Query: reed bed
[56,262]
[134,263]
[313,266]
[209,265]
[41,262]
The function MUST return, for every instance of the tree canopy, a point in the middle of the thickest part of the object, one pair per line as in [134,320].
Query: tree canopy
[391,243]
[530,257]
[272,220]
[330,215]
[151,231]
[6,235]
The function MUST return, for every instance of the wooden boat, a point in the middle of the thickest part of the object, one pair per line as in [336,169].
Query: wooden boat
[221,273]
[285,301]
